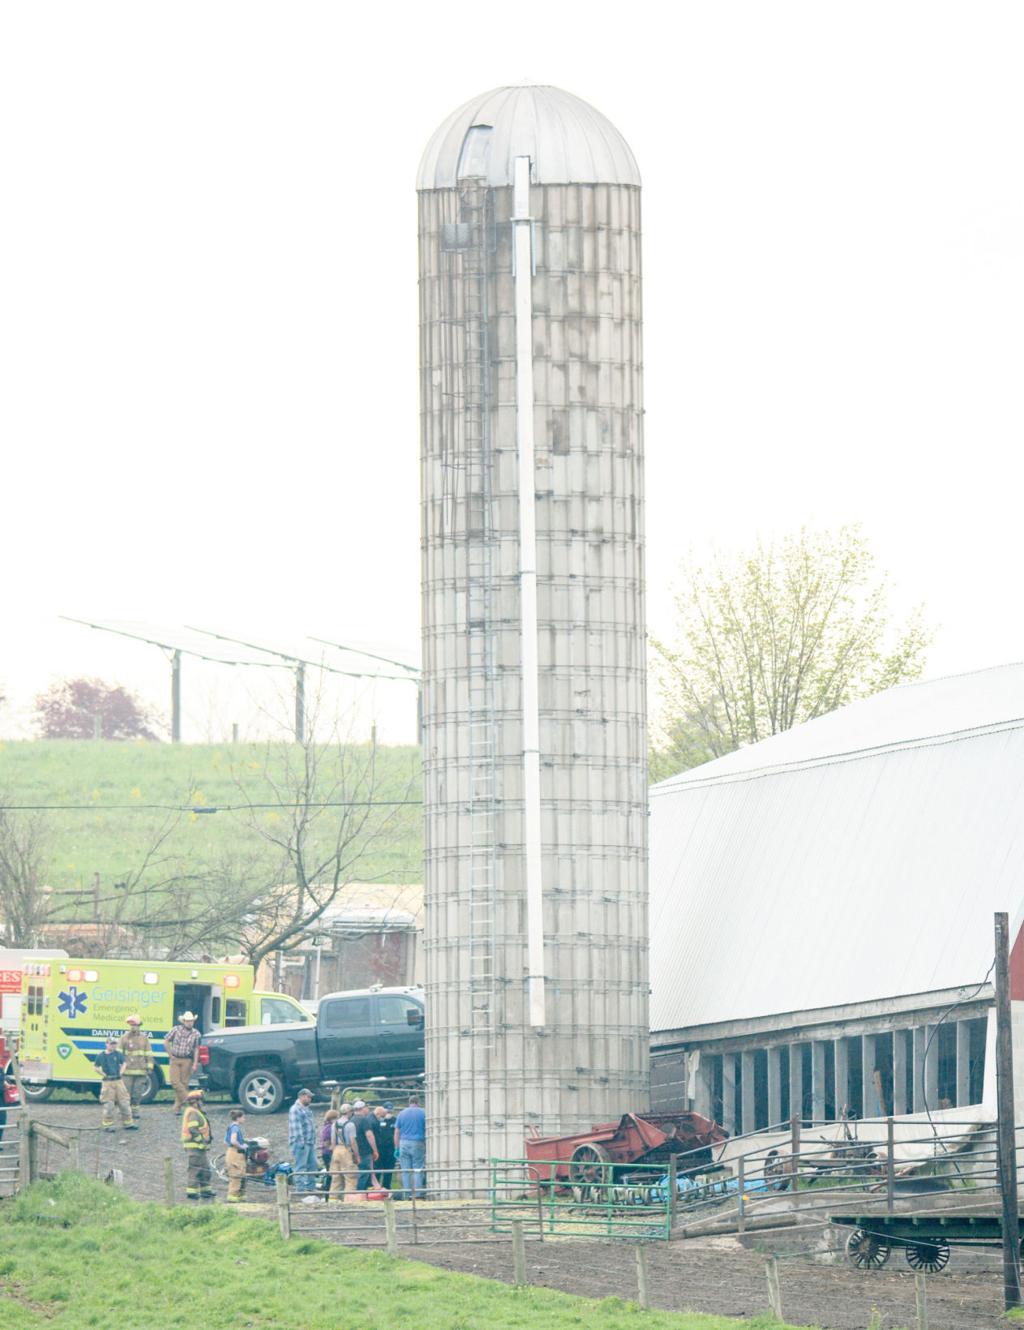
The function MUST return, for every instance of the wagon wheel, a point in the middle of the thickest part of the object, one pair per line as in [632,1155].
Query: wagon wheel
[928,1256]
[867,1251]
[590,1168]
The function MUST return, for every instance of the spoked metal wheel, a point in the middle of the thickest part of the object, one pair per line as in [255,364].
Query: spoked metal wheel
[931,1257]
[590,1171]
[867,1251]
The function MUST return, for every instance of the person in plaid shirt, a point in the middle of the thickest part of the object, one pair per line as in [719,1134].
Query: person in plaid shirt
[302,1141]
[182,1045]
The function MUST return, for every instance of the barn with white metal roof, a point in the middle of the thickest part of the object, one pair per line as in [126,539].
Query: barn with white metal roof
[822,906]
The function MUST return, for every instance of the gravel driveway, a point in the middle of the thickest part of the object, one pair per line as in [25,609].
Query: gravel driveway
[140,1154]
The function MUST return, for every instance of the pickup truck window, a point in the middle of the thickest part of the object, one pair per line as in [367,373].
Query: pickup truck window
[395,1011]
[275,1011]
[345,1013]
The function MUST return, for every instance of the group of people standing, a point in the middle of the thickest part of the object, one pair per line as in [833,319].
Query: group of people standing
[358,1147]
[126,1064]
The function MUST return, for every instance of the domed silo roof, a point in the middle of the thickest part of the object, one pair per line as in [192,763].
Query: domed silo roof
[566,139]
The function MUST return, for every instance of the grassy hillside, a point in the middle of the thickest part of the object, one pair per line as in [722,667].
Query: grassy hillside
[74,1253]
[108,803]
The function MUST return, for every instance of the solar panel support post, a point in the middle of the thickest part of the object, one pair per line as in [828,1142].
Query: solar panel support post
[1007,1150]
[176,697]
[300,702]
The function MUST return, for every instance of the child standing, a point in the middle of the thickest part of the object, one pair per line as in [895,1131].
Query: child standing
[235,1159]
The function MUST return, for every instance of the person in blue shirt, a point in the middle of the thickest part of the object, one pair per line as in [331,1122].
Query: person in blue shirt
[235,1156]
[411,1144]
[113,1092]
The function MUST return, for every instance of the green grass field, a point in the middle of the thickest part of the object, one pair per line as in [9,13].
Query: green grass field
[74,1253]
[114,787]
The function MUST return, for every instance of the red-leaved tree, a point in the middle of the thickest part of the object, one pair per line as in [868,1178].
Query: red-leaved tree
[89,709]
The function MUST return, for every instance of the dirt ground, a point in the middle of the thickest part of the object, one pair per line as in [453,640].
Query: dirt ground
[715,1275]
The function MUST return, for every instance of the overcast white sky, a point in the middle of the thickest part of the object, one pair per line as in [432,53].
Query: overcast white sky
[208,305]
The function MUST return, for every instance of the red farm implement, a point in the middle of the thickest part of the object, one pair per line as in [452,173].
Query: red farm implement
[607,1152]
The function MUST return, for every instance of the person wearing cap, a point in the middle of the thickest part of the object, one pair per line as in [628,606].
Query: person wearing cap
[195,1137]
[113,1094]
[182,1045]
[302,1141]
[343,1160]
[385,1134]
[138,1060]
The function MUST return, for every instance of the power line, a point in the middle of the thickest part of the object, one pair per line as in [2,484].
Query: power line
[207,808]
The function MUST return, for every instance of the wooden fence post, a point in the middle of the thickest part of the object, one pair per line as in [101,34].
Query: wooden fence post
[391,1228]
[890,1167]
[25,1151]
[284,1217]
[921,1296]
[673,1190]
[168,1180]
[73,1154]
[774,1290]
[643,1290]
[518,1253]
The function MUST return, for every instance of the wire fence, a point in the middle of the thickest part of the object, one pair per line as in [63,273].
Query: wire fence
[775,1179]
[872,1195]
[10,1146]
[517,1207]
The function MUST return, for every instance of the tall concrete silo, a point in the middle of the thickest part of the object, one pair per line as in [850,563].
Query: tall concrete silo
[534,716]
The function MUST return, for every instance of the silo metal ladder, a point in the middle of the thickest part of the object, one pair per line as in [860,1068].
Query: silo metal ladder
[474,200]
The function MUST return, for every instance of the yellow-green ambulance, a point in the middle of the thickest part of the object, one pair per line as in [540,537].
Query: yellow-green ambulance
[70,1007]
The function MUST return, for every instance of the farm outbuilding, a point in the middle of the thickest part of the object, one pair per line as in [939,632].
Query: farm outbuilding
[822,909]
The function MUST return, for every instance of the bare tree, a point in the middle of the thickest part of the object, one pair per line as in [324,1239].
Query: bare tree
[315,817]
[335,806]
[208,910]
[25,899]
[141,903]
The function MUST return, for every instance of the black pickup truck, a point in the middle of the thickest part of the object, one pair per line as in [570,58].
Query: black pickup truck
[358,1035]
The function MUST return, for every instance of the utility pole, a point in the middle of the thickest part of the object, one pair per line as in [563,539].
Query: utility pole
[1006,1128]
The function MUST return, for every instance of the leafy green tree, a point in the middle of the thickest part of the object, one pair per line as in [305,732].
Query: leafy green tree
[773,637]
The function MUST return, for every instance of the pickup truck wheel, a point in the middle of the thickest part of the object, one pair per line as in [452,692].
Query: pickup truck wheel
[261,1092]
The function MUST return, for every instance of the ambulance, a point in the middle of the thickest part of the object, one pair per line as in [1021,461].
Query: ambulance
[69,1008]
[12,963]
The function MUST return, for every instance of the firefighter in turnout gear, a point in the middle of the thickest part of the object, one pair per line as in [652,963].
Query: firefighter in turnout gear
[138,1060]
[195,1137]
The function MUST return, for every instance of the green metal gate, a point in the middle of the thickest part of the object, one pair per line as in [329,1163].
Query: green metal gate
[632,1202]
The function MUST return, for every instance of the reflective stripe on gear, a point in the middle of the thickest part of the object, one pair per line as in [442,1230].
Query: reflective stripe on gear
[195,1129]
[138,1055]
